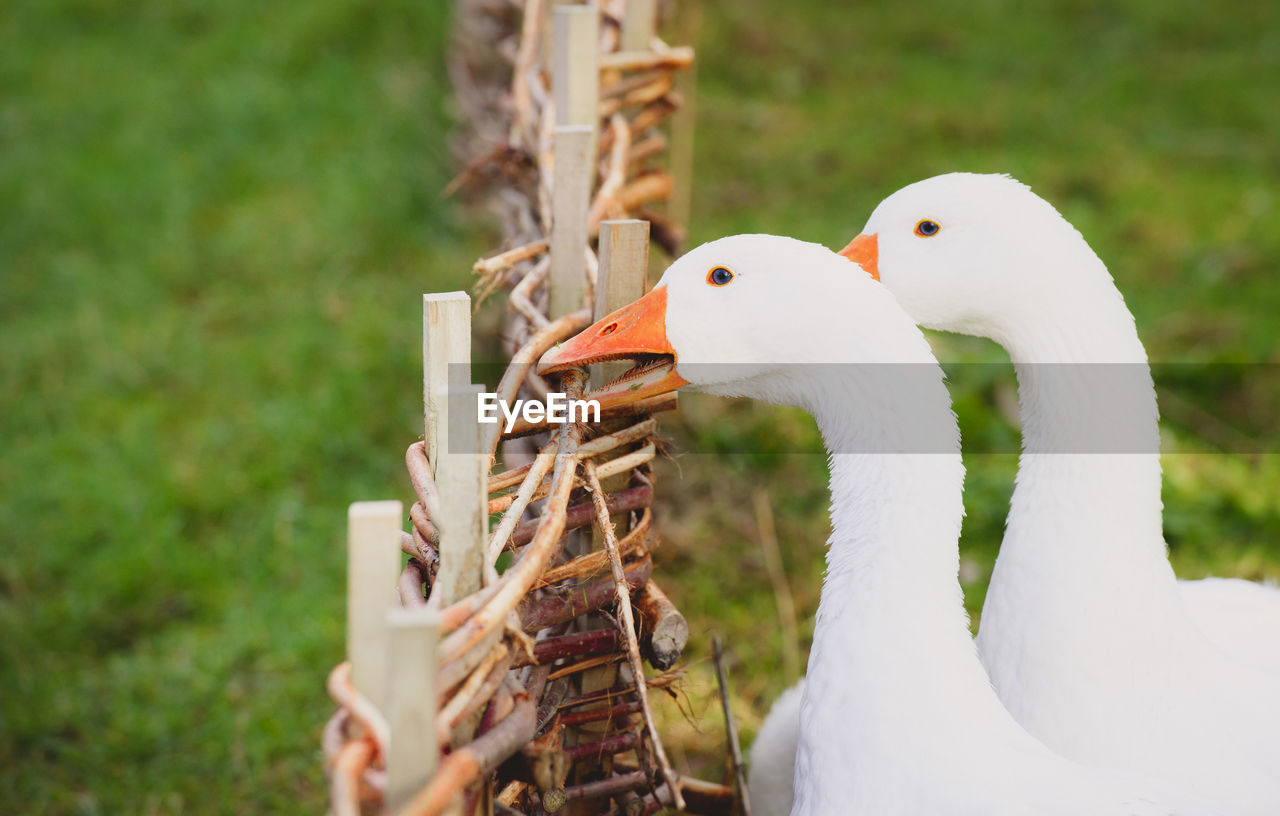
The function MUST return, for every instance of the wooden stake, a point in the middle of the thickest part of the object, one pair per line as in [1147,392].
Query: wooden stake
[373,569]
[575,71]
[461,476]
[637,25]
[682,124]
[446,361]
[414,636]
[570,199]
[623,277]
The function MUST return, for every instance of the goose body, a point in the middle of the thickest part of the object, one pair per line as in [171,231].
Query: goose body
[1088,637]
[897,715]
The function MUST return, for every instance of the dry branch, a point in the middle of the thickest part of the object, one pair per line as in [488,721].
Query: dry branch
[626,621]
[681,57]
[666,632]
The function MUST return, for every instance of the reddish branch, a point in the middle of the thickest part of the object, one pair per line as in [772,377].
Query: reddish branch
[578,644]
[539,613]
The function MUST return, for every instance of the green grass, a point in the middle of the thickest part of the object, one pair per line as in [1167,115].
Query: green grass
[215,221]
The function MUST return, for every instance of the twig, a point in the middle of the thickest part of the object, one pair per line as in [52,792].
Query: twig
[731,728]
[577,644]
[595,561]
[626,620]
[613,467]
[362,710]
[539,613]
[649,187]
[610,745]
[453,711]
[522,294]
[585,665]
[611,786]
[782,596]
[606,200]
[411,581]
[598,714]
[643,95]
[487,267]
[579,515]
[681,57]
[344,785]
[510,518]
[424,484]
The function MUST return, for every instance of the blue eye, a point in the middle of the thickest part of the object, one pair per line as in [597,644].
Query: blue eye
[927,228]
[719,276]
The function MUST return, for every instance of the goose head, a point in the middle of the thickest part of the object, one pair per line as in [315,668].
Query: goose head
[756,316]
[978,254]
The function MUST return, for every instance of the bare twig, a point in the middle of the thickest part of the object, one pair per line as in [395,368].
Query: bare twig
[626,620]
[731,728]
[362,709]
[539,613]
[515,510]
[782,596]
[681,57]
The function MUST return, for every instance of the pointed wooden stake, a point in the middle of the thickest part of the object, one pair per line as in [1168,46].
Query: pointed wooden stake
[680,205]
[461,477]
[638,24]
[570,198]
[575,69]
[373,568]
[623,277]
[446,361]
[413,635]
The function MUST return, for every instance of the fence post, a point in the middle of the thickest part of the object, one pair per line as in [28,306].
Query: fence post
[462,481]
[446,361]
[623,277]
[575,88]
[413,635]
[570,198]
[373,567]
[637,25]
[575,65]
[680,205]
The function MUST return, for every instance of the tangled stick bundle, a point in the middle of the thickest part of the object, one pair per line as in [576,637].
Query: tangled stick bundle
[516,725]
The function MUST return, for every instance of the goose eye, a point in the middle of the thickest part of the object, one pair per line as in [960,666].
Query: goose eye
[927,228]
[719,276]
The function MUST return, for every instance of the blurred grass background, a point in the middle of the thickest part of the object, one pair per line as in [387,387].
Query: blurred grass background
[215,222]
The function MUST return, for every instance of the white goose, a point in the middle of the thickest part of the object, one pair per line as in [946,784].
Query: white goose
[983,255]
[1087,637]
[898,715]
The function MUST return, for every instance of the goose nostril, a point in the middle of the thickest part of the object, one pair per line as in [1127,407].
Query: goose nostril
[610,329]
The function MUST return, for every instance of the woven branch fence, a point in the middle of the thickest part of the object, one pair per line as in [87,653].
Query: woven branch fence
[503,669]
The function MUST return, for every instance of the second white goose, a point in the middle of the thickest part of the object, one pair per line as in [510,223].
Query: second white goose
[898,716]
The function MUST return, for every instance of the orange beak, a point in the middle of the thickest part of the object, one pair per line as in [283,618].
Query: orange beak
[865,252]
[636,332]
